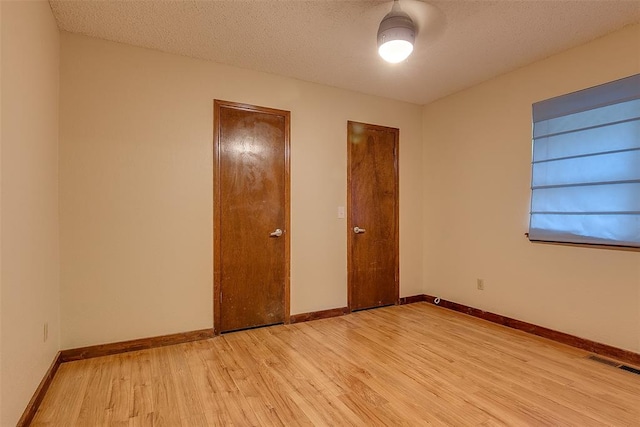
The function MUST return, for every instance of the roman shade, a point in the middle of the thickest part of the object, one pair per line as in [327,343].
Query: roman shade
[585,185]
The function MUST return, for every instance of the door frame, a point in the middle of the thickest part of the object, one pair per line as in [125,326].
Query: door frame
[350,234]
[217,217]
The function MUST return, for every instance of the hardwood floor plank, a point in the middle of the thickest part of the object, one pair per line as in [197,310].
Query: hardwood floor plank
[66,396]
[407,365]
[163,390]
[298,378]
[188,400]
[118,411]
[141,396]
[95,403]
[205,383]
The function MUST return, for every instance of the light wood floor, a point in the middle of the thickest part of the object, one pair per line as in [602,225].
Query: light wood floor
[406,365]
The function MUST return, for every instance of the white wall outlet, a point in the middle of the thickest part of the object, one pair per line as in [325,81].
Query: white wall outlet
[46,331]
[480,284]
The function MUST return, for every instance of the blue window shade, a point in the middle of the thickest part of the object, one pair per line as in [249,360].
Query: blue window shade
[585,185]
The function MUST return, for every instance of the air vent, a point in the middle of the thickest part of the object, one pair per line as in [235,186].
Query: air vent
[604,361]
[614,364]
[630,369]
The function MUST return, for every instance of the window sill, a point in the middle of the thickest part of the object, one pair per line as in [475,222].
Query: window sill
[586,245]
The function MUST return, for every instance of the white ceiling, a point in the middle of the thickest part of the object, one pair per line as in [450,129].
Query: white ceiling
[333,42]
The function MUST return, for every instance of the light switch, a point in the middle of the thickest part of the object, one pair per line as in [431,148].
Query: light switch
[341,212]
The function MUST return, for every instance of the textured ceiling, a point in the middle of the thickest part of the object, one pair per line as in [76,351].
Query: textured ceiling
[333,42]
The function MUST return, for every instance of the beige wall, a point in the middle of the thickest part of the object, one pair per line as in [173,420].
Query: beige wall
[477,175]
[29,199]
[1,411]
[136,133]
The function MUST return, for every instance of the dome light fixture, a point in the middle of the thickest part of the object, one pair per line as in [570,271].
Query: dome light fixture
[396,35]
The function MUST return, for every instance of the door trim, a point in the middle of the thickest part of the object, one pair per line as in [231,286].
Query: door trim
[350,234]
[217,243]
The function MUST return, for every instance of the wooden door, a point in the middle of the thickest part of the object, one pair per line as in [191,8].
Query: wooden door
[372,204]
[251,216]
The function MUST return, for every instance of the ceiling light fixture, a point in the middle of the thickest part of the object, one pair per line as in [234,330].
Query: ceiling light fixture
[396,35]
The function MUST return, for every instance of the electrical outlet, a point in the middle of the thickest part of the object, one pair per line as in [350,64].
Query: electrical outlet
[46,331]
[480,284]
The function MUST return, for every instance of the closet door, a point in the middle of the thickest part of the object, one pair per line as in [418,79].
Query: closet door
[251,216]
[373,243]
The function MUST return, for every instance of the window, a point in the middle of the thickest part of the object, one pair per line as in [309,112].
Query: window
[585,185]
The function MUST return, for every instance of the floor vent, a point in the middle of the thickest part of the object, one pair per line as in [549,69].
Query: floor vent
[630,369]
[604,361]
[614,364]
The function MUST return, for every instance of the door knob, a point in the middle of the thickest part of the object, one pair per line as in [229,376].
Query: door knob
[276,233]
[358,230]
